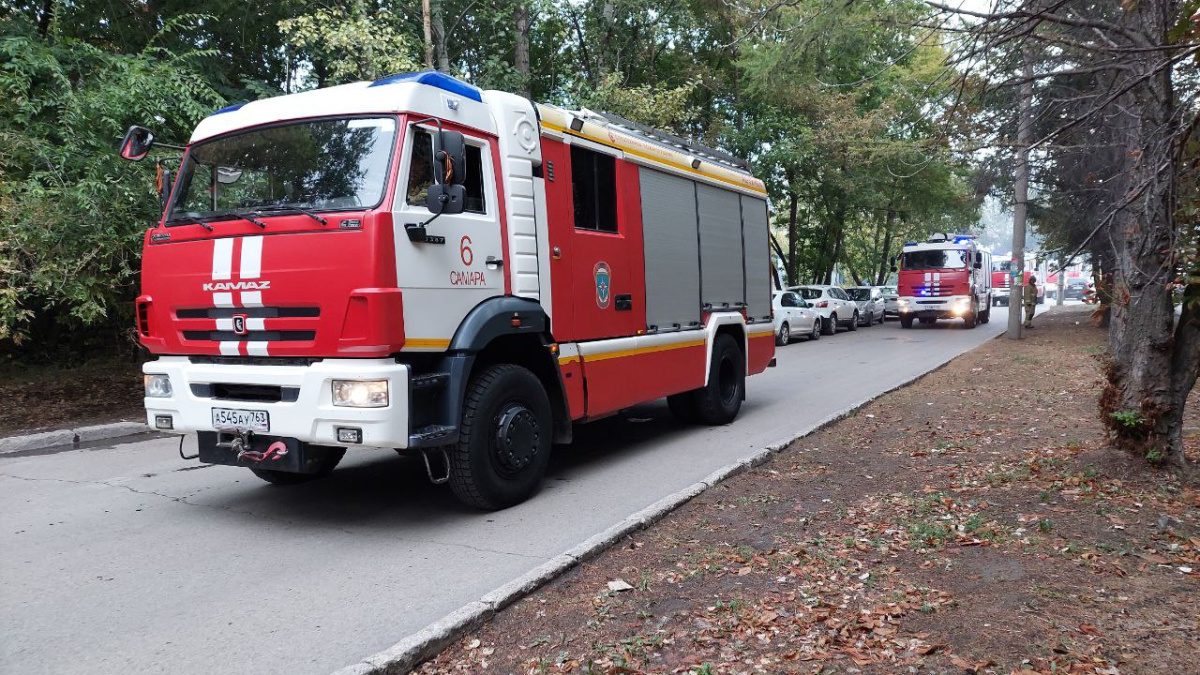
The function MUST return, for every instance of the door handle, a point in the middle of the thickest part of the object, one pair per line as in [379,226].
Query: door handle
[623,303]
[493,260]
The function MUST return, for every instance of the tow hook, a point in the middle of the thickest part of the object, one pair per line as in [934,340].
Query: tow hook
[243,442]
[442,457]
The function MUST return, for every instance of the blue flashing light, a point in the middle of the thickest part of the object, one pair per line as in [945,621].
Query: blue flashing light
[963,239]
[227,109]
[434,79]
[910,243]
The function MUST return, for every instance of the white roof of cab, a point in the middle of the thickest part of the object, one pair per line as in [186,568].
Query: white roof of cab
[423,93]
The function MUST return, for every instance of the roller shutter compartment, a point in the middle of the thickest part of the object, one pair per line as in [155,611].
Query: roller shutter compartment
[671,250]
[721,258]
[757,257]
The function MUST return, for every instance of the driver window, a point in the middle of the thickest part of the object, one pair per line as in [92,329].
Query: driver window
[420,173]
[788,300]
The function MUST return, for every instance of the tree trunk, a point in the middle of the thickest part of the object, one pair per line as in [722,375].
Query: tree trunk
[793,245]
[521,54]
[884,267]
[1154,364]
[45,18]
[439,35]
[427,28]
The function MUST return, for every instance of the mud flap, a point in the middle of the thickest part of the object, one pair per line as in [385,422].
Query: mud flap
[261,452]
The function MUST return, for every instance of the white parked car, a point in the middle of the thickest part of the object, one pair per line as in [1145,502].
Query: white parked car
[794,317]
[891,300]
[870,303]
[831,302]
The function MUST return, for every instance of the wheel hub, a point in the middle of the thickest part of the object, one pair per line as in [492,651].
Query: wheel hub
[517,437]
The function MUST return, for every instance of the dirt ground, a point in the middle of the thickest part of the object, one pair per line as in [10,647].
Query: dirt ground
[39,398]
[972,522]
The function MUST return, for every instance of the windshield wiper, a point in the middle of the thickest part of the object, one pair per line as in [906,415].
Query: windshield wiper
[234,214]
[183,217]
[295,209]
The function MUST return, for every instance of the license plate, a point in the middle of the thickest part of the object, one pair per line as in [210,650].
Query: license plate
[242,420]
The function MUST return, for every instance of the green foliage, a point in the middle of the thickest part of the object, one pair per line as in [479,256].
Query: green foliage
[1130,419]
[667,109]
[348,45]
[71,212]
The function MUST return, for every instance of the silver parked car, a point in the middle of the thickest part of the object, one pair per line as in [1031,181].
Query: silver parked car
[831,302]
[794,317]
[870,303]
[891,300]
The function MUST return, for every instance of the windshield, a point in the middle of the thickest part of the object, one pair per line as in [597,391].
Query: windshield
[937,259]
[1002,266]
[809,293]
[319,165]
[889,290]
[859,293]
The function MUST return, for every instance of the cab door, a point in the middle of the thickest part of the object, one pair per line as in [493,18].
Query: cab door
[596,243]
[460,264]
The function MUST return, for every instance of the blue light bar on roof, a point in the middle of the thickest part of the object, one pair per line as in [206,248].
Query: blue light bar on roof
[434,79]
[228,108]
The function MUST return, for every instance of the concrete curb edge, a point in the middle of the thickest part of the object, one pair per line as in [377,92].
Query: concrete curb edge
[64,437]
[430,640]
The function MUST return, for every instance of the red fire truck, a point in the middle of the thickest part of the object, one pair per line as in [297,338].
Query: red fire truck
[416,264]
[1002,271]
[947,277]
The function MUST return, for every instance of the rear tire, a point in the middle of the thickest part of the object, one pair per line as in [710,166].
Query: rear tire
[289,478]
[829,326]
[719,401]
[504,439]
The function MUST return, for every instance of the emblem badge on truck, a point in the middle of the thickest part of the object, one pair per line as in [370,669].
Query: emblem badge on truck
[239,324]
[603,284]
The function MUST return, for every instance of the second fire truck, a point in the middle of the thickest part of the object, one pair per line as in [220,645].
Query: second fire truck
[947,277]
[416,264]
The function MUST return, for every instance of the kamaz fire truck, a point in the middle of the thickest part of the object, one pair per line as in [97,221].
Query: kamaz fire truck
[416,264]
[947,277]
[1002,275]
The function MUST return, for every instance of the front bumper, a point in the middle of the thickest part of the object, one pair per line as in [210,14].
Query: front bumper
[953,307]
[306,412]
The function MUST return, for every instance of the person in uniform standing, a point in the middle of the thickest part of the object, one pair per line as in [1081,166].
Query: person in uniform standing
[1029,299]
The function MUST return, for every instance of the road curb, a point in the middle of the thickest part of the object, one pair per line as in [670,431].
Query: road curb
[62,437]
[429,641]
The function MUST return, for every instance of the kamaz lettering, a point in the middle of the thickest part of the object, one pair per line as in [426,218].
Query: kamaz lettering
[237,285]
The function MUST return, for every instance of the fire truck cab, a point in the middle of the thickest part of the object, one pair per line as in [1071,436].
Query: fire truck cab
[419,265]
[947,277]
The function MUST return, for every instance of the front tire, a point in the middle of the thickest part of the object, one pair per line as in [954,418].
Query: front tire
[853,322]
[721,399]
[815,333]
[906,321]
[504,439]
[784,336]
[829,326]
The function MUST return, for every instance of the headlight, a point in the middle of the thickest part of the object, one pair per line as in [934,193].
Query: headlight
[157,386]
[360,393]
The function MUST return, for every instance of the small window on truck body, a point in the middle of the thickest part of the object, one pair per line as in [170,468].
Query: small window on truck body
[594,190]
[421,168]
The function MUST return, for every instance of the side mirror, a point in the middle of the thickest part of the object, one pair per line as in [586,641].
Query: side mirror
[137,143]
[445,199]
[449,158]
[978,265]
[978,259]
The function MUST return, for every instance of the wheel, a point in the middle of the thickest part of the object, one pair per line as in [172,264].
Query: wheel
[986,315]
[853,322]
[815,333]
[719,401]
[288,478]
[870,321]
[929,320]
[829,326]
[906,321]
[1041,300]
[504,438]
[784,336]
[970,320]
[882,317]
[683,407]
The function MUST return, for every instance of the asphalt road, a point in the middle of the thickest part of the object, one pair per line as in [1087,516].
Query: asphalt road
[126,559]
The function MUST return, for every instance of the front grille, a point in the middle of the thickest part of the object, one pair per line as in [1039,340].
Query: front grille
[250,312]
[252,336]
[255,393]
[254,360]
